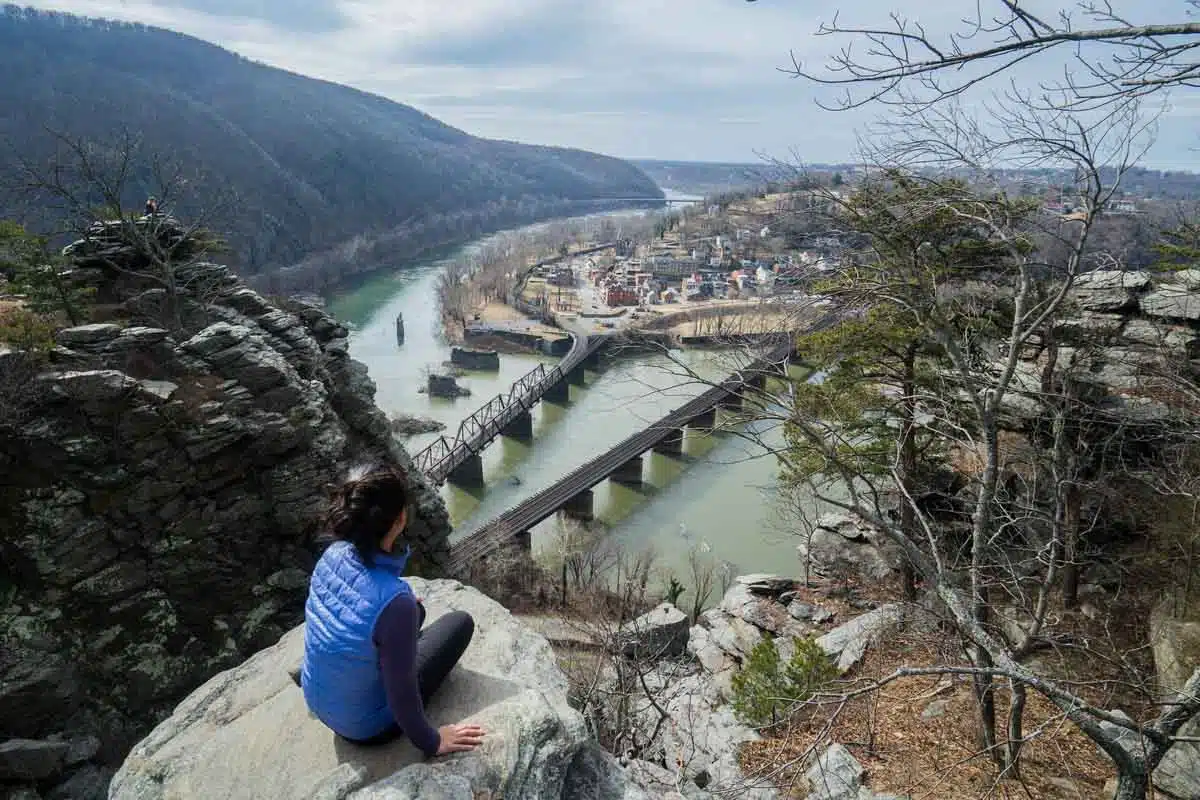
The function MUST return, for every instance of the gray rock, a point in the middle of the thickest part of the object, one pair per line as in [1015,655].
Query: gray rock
[89,783]
[848,643]
[801,610]
[19,793]
[288,579]
[1178,774]
[710,655]
[760,610]
[850,549]
[704,737]
[88,334]
[1089,328]
[1175,643]
[1112,279]
[935,709]
[809,613]
[31,759]
[764,584]
[661,632]
[1172,303]
[836,775]
[81,749]
[1109,290]
[165,476]
[1189,278]
[37,693]
[732,634]
[248,734]
[1155,334]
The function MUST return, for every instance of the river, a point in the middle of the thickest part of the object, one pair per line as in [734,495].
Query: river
[720,498]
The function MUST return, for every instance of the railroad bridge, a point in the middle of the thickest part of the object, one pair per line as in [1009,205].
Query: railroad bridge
[458,460]
[623,463]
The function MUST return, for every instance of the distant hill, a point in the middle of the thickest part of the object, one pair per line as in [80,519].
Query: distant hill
[705,178]
[313,164]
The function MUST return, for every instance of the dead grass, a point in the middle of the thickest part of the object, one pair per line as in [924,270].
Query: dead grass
[939,757]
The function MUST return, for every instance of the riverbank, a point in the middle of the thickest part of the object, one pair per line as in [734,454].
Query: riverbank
[343,267]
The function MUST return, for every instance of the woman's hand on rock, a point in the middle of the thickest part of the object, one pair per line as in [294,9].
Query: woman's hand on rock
[459,738]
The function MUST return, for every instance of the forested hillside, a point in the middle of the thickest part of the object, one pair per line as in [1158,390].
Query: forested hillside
[311,164]
[705,178]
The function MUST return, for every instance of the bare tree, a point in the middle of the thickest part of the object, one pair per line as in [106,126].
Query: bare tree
[1106,57]
[89,187]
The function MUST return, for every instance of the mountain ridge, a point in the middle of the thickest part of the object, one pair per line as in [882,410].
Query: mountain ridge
[313,163]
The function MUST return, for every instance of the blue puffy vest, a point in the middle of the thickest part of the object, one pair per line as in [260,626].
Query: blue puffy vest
[340,675]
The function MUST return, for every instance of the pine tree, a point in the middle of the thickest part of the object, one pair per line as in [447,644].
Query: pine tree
[40,275]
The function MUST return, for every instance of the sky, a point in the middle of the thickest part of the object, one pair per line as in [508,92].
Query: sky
[701,80]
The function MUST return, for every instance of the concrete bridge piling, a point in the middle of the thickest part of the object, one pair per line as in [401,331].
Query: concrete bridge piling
[580,507]
[468,474]
[559,393]
[521,427]
[731,401]
[577,376]
[629,473]
[704,421]
[672,444]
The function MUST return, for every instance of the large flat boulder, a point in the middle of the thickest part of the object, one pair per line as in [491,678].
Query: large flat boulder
[1109,290]
[661,632]
[247,733]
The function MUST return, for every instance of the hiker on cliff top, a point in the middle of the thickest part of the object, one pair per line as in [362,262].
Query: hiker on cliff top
[369,668]
[151,206]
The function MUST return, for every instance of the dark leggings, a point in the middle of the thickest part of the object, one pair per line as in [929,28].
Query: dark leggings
[439,647]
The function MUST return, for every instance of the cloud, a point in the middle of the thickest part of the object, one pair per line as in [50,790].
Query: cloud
[304,16]
[695,79]
[522,34]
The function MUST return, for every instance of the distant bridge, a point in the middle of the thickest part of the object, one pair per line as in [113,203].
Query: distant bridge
[458,459]
[623,463]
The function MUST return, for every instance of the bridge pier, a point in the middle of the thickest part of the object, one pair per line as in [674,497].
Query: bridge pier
[577,376]
[521,427]
[523,542]
[731,401]
[559,393]
[704,421]
[580,507]
[672,444]
[592,361]
[757,380]
[629,473]
[468,474]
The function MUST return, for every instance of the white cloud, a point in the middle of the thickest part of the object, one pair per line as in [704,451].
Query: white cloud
[639,78]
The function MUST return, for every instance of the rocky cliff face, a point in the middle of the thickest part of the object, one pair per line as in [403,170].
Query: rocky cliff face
[159,492]
[248,734]
[1131,335]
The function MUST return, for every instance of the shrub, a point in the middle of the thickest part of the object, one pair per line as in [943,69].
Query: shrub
[26,330]
[766,691]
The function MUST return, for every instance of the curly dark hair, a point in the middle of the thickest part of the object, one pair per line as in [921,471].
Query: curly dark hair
[364,508]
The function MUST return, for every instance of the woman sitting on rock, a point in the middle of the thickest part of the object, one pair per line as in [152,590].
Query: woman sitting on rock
[368,667]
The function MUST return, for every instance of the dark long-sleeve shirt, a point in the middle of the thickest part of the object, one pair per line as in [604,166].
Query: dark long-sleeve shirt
[395,636]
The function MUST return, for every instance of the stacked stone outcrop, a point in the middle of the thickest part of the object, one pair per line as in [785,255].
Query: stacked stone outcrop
[160,489]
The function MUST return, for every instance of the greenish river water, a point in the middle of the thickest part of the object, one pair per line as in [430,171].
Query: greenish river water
[720,497]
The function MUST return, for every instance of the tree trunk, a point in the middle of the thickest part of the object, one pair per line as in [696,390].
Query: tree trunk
[908,469]
[1071,547]
[1132,783]
[1016,736]
[985,692]
[985,701]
